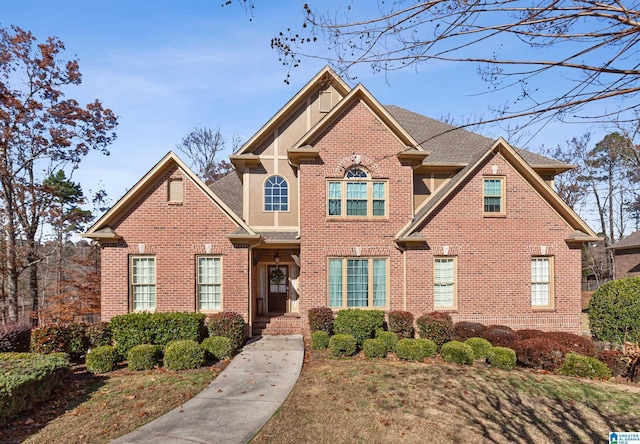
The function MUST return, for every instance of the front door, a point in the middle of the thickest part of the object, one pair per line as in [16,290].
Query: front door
[278,284]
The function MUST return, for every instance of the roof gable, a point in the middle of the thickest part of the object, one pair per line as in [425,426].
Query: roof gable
[627,242]
[582,233]
[102,228]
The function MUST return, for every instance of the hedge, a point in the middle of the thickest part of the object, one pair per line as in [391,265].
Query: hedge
[374,348]
[102,359]
[228,324]
[321,319]
[143,357]
[502,357]
[15,338]
[183,355]
[389,338]
[217,347]
[410,350]
[342,345]
[134,329]
[319,340]
[584,367]
[614,311]
[481,347]
[436,326]
[27,379]
[401,323]
[457,352]
[361,324]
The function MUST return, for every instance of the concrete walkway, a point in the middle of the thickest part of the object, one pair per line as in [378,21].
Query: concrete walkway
[234,407]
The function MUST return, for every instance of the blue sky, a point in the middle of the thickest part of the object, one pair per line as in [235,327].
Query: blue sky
[166,66]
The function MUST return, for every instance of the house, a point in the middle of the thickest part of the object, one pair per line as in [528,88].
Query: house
[626,256]
[339,201]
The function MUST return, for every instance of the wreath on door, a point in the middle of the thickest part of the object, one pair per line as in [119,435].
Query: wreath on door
[276,276]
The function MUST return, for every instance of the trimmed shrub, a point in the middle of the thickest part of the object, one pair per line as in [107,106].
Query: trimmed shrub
[401,323]
[228,324]
[528,333]
[542,353]
[502,357]
[98,334]
[374,348]
[615,360]
[183,354]
[436,326]
[77,340]
[389,338]
[410,350]
[27,379]
[15,338]
[50,339]
[143,357]
[500,337]
[429,348]
[574,343]
[217,347]
[102,359]
[481,347]
[134,329]
[321,319]
[500,327]
[584,367]
[342,345]
[457,352]
[319,340]
[361,324]
[464,330]
[614,311]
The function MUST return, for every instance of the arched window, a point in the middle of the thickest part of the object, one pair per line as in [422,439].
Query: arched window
[357,195]
[276,194]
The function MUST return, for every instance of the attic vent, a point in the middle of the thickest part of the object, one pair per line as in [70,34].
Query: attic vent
[175,190]
[325,101]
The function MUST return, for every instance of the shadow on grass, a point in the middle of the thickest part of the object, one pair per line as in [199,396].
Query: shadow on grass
[77,388]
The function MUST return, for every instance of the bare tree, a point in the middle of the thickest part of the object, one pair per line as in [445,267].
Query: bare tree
[518,45]
[201,146]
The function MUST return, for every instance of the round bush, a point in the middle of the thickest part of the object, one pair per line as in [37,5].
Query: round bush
[228,324]
[584,367]
[218,347]
[342,345]
[500,336]
[457,352]
[614,311]
[143,357]
[464,330]
[389,339]
[436,326]
[401,323]
[319,340]
[361,324]
[543,353]
[582,345]
[101,359]
[374,348]
[502,357]
[410,350]
[183,354]
[480,346]
[321,319]
[429,348]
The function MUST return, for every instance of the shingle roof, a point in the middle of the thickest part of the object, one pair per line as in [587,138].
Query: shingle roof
[450,145]
[278,235]
[631,241]
[229,189]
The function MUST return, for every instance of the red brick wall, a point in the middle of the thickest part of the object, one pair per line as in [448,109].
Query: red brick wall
[175,234]
[494,255]
[627,263]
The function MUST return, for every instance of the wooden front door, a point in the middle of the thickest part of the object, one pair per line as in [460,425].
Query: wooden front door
[278,284]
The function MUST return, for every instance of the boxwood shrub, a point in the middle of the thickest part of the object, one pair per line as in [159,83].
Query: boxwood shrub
[457,352]
[228,324]
[502,357]
[183,354]
[217,347]
[143,357]
[436,326]
[389,338]
[27,379]
[319,340]
[374,348]
[480,346]
[584,367]
[401,323]
[410,350]
[134,329]
[614,311]
[102,359]
[361,324]
[342,345]
[321,319]
[429,348]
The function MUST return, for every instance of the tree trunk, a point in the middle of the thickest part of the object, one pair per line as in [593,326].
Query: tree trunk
[11,256]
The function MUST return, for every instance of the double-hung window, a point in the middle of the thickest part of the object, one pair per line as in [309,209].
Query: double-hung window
[542,282]
[357,195]
[357,282]
[143,283]
[444,283]
[493,196]
[209,283]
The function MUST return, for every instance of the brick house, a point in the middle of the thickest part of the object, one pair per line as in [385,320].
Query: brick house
[339,201]
[626,256]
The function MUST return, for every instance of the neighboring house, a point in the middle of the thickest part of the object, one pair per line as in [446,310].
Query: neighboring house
[339,201]
[626,256]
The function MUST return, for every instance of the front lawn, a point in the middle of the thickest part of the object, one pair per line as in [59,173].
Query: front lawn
[382,400]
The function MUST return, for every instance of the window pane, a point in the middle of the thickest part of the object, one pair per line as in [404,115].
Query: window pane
[335,283]
[492,187]
[444,282]
[209,278]
[491,204]
[276,194]
[335,207]
[540,281]
[356,190]
[357,282]
[356,172]
[379,282]
[356,207]
[378,190]
[143,281]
